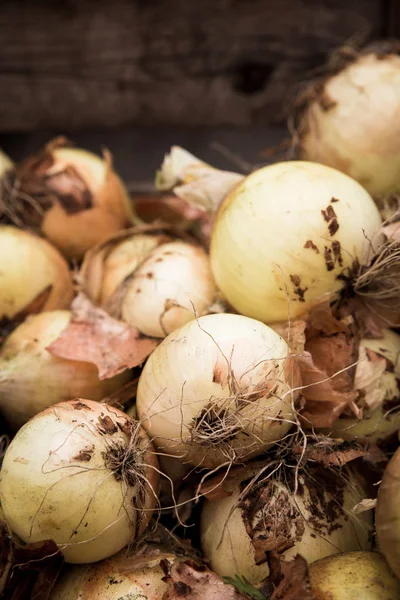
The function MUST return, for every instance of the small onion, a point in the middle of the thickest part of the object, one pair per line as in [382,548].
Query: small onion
[31,272]
[31,378]
[353,576]
[352,122]
[150,281]
[289,234]
[76,198]
[382,418]
[83,474]
[218,389]
[122,577]
[315,522]
[388,514]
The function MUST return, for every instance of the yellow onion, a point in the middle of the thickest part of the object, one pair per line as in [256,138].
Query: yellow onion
[353,576]
[82,474]
[351,122]
[33,275]
[150,281]
[31,378]
[122,577]
[381,396]
[76,199]
[289,234]
[218,390]
[316,521]
[388,514]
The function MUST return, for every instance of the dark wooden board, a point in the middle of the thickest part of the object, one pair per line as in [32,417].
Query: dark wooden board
[100,63]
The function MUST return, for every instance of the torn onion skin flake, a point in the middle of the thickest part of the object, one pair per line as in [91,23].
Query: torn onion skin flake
[92,453]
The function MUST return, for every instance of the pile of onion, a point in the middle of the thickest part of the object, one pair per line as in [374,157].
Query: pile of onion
[150,279]
[31,378]
[82,474]
[69,195]
[351,119]
[218,390]
[313,518]
[33,275]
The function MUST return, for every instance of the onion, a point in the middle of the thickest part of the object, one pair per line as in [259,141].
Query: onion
[351,121]
[33,275]
[31,378]
[381,414]
[287,235]
[76,199]
[5,164]
[122,577]
[83,474]
[150,281]
[217,390]
[353,576]
[315,522]
[388,514]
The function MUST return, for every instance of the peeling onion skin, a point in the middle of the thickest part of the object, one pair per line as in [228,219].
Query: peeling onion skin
[56,481]
[31,378]
[380,423]
[353,576]
[29,267]
[228,363]
[121,577]
[284,235]
[353,123]
[388,514]
[235,554]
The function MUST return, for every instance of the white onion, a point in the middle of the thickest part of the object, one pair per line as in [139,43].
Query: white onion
[382,418]
[31,268]
[352,122]
[353,576]
[228,546]
[218,390]
[80,473]
[31,378]
[287,235]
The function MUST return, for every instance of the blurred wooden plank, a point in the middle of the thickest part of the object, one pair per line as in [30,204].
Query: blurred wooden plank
[96,63]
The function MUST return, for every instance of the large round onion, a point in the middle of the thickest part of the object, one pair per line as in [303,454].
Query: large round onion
[218,390]
[287,235]
[32,275]
[388,514]
[31,378]
[353,576]
[76,198]
[150,281]
[352,122]
[382,418]
[83,474]
[314,522]
[122,577]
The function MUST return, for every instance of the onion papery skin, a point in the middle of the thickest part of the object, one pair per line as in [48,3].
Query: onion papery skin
[31,268]
[31,378]
[352,123]
[353,576]
[63,479]
[228,547]
[388,514]
[287,236]
[218,390]
[384,420]
[121,577]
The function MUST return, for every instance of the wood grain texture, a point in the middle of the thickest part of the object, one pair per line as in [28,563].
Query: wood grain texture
[89,63]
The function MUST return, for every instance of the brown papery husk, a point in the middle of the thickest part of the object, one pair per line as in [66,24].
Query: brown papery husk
[66,205]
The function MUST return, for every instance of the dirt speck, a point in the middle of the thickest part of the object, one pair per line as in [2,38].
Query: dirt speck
[84,455]
[310,244]
[334,200]
[107,425]
[78,405]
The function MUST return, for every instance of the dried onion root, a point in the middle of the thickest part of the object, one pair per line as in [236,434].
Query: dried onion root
[83,474]
[69,195]
[31,378]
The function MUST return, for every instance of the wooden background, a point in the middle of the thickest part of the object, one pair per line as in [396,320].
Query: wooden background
[77,64]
